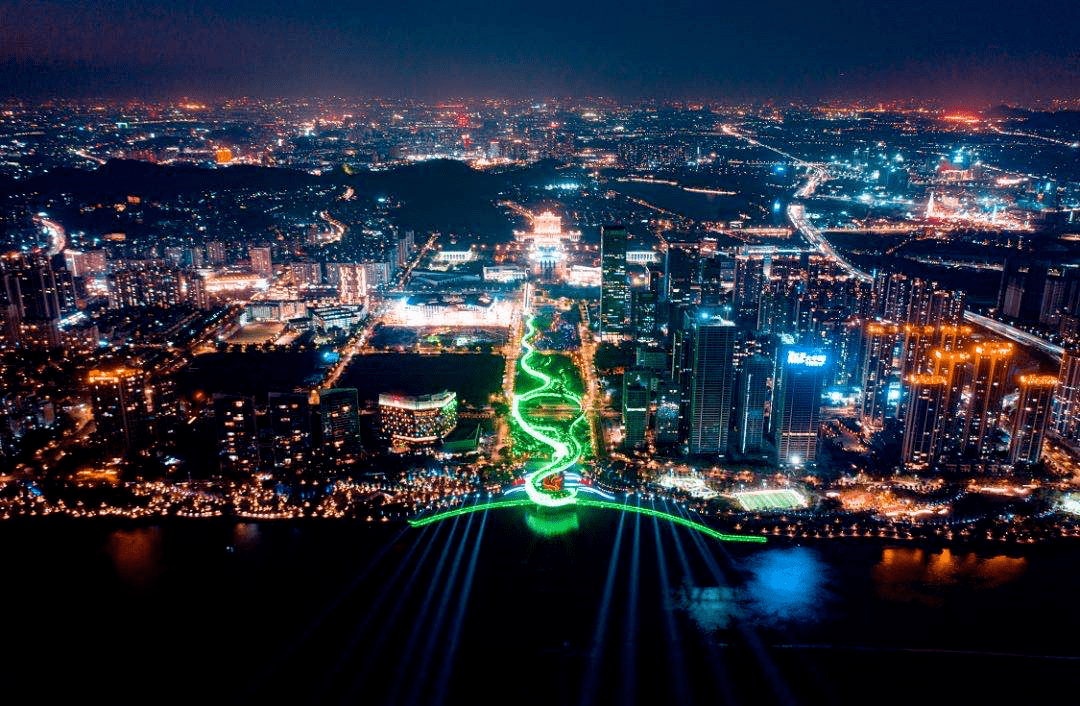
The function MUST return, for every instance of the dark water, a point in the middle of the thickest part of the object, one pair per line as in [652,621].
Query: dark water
[488,608]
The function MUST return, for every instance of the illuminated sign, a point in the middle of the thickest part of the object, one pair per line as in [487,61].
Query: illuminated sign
[810,360]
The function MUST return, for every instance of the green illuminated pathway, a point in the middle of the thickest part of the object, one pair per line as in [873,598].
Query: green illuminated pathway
[566,448]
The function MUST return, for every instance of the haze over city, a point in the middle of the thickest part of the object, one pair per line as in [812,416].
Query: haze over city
[960,53]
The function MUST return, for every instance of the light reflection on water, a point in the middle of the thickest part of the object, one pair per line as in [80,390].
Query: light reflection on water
[909,574]
[136,555]
[783,586]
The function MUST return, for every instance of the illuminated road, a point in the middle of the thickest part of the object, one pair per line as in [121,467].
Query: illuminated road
[566,449]
[1014,334]
[797,215]
[57,235]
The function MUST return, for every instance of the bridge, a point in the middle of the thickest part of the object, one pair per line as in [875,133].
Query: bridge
[554,485]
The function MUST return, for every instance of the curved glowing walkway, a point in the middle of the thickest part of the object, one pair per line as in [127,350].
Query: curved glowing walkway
[602,504]
[566,449]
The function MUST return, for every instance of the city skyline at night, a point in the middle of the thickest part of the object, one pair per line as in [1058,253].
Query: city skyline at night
[630,353]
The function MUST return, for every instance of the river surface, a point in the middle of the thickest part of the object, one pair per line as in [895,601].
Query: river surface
[512,607]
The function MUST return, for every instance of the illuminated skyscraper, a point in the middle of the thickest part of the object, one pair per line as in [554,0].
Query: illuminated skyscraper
[261,263]
[798,404]
[237,434]
[750,403]
[923,420]
[290,427]
[1032,417]
[118,397]
[340,419]
[712,383]
[990,369]
[1067,400]
[878,375]
[613,290]
[668,405]
[635,407]
[34,297]
[954,366]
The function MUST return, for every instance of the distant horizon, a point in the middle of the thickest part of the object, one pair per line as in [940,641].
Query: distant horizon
[961,52]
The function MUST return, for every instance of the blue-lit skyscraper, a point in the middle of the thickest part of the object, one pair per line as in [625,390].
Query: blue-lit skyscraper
[798,404]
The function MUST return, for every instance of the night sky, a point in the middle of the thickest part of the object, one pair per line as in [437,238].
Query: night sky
[959,51]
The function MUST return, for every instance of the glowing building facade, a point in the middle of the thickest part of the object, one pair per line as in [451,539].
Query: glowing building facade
[1032,417]
[417,421]
[798,405]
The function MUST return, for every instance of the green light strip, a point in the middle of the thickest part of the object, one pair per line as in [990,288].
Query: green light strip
[565,447]
[602,504]
[459,511]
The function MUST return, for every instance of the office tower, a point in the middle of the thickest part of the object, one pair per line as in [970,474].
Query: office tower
[1033,411]
[668,406]
[290,429]
[990,367]
[118,398]
[410,421]
[681,286]
[613,292]
[340,418]
[237,434]
[215,253]
[749,284]
[750,403]
[651,357]
[34,298]
[1023,283]
[1067,401]
[643,312]
[712,381]
[798,404]
[261,263]
[878,375]
[635,407]
[923,420]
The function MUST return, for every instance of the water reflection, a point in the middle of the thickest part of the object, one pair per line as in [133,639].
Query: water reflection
[552,525]
[787,585]
[907,574]
[783,586]
[708,606]
[136,555]
[246,535]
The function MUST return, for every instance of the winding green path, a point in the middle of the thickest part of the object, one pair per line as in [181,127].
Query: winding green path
[566,448]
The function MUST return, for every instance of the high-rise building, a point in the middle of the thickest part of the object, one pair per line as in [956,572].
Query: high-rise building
[643,311]
[1033,411]
[118,398]
[352,283]
[216,253]
[1067,400]
[990,368]
[750,403]
[409,421]
[635,407]
[668,406]
[798,404]
[954,367]
[261,262]
[712,383]
[923,420]
[290,429]
[33,297]
[340,419]
[749,284]
[879,373]
[613,290]
[237,434]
